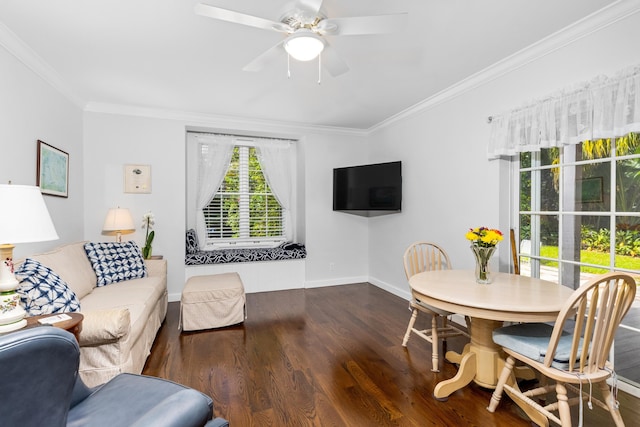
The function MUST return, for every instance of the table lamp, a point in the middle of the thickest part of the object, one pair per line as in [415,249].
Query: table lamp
[24,218]
[118,222]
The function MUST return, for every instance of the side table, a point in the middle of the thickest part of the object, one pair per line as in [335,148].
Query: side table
[73,325]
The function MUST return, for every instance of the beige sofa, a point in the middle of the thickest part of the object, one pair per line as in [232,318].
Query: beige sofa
[120,320]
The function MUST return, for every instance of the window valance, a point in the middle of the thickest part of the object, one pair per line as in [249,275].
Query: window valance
[606,107]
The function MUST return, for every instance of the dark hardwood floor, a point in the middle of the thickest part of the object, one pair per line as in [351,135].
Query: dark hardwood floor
[329,357]
[627,343]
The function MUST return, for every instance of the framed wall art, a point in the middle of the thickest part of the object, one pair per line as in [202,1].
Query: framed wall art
[137,178]
[52,170]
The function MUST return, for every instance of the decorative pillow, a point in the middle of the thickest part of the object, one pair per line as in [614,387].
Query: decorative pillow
[115,262]
[192,241]
[290,246]
[42,291]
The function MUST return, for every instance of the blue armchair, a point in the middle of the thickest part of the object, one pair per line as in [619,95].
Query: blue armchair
[40,386]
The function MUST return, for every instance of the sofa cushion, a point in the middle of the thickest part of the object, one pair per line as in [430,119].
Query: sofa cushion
[70,262]
[139,297]
[42,291]
[115,261]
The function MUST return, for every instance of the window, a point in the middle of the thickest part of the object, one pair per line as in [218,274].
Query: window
[244,209]
[579,210]
[241,190]
[579,215]
[577,193]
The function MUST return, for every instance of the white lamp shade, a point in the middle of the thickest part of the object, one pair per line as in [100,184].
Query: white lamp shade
[24,216]
[118,220]
[304,45]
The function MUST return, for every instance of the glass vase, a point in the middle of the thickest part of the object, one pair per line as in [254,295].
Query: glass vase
[482,256]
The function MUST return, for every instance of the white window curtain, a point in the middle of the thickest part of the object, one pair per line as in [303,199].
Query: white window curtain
[276,161]
[214,159]
[606,107]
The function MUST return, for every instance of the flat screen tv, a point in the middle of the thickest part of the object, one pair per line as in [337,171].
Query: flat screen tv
[368,190]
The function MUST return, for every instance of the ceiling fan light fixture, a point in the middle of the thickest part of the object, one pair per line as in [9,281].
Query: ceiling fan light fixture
[304,45]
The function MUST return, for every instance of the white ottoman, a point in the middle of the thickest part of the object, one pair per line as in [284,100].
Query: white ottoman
[212,301]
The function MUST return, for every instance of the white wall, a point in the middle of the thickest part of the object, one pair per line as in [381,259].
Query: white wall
[32,110]
[449,185]
[113,140]
[336,241]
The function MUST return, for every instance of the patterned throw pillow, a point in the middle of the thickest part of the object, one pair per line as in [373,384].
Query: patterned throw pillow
[115,262]
[192,241]
[42,291]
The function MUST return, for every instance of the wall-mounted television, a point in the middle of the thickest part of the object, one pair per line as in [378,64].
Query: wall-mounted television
[368,190]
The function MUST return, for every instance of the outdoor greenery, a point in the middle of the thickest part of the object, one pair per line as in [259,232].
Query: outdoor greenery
[590,257]
[592,194]
[235,212]
[627,241]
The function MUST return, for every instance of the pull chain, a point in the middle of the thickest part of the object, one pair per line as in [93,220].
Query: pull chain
[288,66]
[319,68]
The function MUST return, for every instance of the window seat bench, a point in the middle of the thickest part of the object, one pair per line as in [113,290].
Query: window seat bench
[195,256]
[224,256]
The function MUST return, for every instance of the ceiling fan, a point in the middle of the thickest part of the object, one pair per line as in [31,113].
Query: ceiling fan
[305,28]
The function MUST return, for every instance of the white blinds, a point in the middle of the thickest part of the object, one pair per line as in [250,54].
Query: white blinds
[603,108]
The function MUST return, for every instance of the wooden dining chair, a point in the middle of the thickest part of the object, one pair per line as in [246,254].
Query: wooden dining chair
[514,252]
[419,257]
[573,352]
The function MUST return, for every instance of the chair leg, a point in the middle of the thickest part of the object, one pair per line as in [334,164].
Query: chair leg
[611,404]
[434,343]
[412,321]
[563,405]
[504,376]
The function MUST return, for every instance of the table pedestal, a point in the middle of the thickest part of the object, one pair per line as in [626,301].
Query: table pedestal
[479,361]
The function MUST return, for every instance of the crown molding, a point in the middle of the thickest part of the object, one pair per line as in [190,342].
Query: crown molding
[590,24]
[207,120]
[19,49]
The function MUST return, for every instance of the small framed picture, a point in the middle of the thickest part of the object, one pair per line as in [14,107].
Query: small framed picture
[52,170]
[137,178]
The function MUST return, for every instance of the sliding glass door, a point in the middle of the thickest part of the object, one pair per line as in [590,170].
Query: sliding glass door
[578,215]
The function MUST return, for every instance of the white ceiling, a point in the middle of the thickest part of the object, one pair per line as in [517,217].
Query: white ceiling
[159,54]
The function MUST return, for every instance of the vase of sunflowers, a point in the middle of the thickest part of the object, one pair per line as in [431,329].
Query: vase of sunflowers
[483,244]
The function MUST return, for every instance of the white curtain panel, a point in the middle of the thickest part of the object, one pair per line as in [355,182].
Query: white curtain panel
[215,153]
[606,107]
[276,160]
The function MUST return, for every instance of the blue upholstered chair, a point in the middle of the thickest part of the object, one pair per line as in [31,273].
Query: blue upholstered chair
[573,352]
[40,386]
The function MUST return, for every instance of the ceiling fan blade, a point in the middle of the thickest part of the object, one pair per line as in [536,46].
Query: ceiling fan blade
[265,58]
[312,6]
[240,18]
[359,25]
[332,61]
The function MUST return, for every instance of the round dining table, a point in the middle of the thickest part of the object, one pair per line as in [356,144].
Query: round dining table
[509,297]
